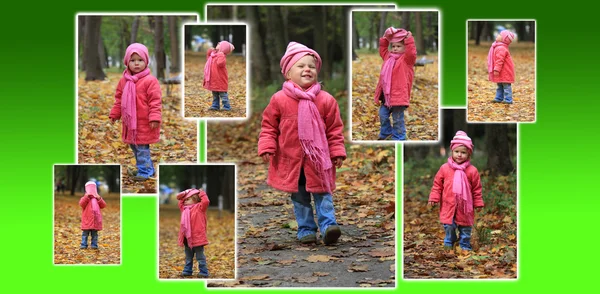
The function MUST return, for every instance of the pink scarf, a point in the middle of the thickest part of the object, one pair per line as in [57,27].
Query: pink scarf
[311,130]
[490,60]
[208,65]
[186,225]
[386,76]
[462,188]
[128,104]
[91,191]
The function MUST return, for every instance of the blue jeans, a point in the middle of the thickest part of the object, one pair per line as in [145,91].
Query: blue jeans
[504,93]
[398,132]
[304,211]
[189,260]
[215,104]
[464,235]
[84,238]
[143,161]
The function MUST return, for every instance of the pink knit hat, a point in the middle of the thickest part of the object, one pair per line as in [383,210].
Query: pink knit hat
[293,53]
[138,48]
[225,47]
[395,35]
[188,193]
[90,188]
[507,37]
[461,139]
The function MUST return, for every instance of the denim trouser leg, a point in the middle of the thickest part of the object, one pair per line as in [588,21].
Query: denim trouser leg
[508,93]
[399,130]
[189,259]
[84,238]
[143,160]
[450,234]
[499,93]
[464,233]
[94,239]
[325,210]
[201,258]
[216,103]
[225,100]
[384,120]
[303,209]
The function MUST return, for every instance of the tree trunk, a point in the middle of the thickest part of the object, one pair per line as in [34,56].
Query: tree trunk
[125,34]
[239,37]
[80,41]
[487,32]
[430,29]
[134,29]
[496,142]
[102,52]
[355,39]
[275,39]
[93,66]
[159,47]
[532,31]
[320,39]
[174,38]
[382,26]
[406,20]
[259,65]
[372,34]
[520,28]
[419,39]
[478,31]
[345,36]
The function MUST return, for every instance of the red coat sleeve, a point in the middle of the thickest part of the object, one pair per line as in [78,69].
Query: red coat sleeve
[269,128]
[476,189]
[438,186]
[221,60]
[154,101]
[180,204]
[101,202]
[383,48]
[83,202]
[410,51]
[204,202]
[334,130]
[115,112]
[499,56]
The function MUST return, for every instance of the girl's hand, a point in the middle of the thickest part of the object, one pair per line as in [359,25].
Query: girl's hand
[409,34]
[338,161]
[496,73]
[154,124]
[266,157]
[112,120]
[478,208]
[431,203]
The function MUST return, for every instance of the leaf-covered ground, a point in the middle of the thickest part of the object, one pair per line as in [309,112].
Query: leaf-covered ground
[198,100]
[494,241]
[481,91]
[269,254]
[220,253]
[100,141]
[67,232]
[421,118]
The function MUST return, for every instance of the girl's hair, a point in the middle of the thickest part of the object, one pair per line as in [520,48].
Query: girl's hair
[196,198]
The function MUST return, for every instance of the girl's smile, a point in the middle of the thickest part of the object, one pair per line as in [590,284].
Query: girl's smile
[304,72]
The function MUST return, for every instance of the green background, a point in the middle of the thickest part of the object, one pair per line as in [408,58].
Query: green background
[558,229]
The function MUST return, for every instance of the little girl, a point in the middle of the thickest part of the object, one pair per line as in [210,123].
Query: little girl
[395,81]
[501,68]
[138,102]
[91,217]
[215,74]
[193,204]
[457,185]
[302,138]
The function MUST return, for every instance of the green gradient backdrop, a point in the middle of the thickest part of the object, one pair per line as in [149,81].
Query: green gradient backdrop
[558,231]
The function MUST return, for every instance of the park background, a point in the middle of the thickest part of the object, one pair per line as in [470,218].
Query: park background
[557,206]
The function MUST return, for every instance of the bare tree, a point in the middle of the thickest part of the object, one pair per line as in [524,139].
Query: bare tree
[275,37]
[419,40]
[320,39]
[260,72]
[159,47]
[406,20]
[80,40]
[93,66]
[174,36]
[134,29]
[496,142]
[382,26]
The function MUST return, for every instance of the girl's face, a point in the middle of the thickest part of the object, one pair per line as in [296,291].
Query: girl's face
[460,154]
[136,63]
[397,47]
[191,200]
[499,38]
[303,72]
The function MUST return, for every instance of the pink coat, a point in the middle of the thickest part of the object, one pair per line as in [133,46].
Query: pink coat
[148,106]
[442,189]
[402,74]
[218,73]
[88,222]
[198,222]
[279,136]
[503,63]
